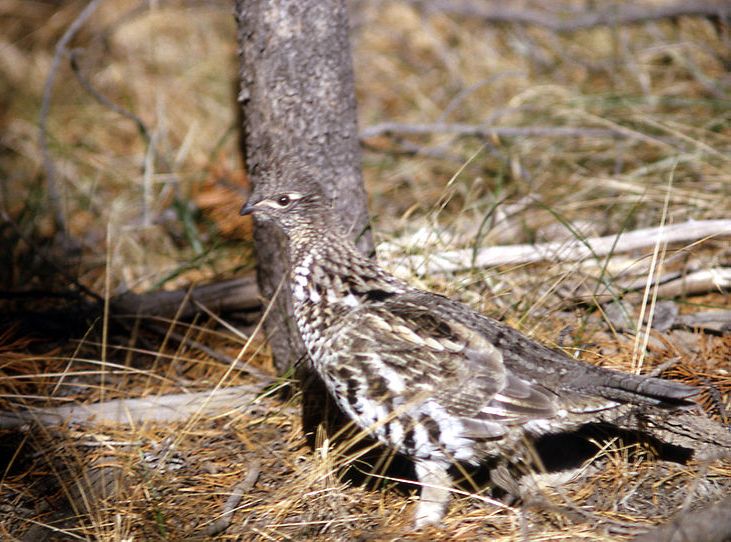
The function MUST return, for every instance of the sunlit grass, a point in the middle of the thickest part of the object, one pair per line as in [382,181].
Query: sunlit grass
[162,213]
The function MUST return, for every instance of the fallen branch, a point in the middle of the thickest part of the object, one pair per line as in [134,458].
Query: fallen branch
[242,294]
[615,15]
[239,294]
[406,148]
[106,102]
[707,280]
[717,279]
[718,321]
[487,130]
[560,251]
[223,522]
[163,408]
[54,196]
[711,523]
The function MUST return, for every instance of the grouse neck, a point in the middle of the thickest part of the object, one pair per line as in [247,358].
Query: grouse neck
[322,246]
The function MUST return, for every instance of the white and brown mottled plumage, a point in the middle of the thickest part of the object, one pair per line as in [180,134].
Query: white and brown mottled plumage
[428,376]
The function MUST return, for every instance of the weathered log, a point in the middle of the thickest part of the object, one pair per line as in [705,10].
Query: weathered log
[239,294]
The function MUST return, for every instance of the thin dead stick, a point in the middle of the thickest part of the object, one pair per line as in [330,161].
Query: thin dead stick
[706,280]
[149,138]
[53,193]
[163,408]
[223,522]
[407,148]
[614,15]
[660,369]
[488,130]
[562,251]
[263,376]
[711,523]
[671,285]
[717,279]
[106,102]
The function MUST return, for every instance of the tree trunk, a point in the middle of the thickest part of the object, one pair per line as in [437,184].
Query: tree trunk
[298,98]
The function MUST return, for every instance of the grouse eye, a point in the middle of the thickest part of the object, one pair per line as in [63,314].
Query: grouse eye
[283,200]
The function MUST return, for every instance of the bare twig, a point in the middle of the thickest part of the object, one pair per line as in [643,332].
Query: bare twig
[48,163]
[164,408]
[106,102]
[410,149]
[664,366]
[705,317]
[561,251]
[455,102]
[223,522]
[487,130]
[149,138]
[263,376]
[614,15]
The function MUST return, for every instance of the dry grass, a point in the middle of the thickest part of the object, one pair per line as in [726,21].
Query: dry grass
[166,219]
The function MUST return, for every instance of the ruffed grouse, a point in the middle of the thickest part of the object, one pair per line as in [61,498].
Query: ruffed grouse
[432,378]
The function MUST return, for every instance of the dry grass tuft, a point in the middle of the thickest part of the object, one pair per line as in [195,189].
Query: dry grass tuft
[155,207]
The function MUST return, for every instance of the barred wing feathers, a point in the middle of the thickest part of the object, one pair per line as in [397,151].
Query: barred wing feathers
[536,363]
[425,358]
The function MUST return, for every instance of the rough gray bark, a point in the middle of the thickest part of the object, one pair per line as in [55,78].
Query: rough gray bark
[298,99]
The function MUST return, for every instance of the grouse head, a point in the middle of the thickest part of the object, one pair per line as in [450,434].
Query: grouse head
[291,208]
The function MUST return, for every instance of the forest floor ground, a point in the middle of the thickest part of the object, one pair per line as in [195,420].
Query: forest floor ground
[614,129]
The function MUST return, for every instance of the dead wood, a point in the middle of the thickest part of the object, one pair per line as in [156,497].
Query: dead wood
[104,101]
[612,15]
[489,130]
[242,293]
[163,408]
[711,523]
[239,294]
[717,320]
[561,251]
[706,280]
[717,279]
[223,522]
[54,196]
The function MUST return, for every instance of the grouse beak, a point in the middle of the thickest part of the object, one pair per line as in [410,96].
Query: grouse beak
[248,209]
